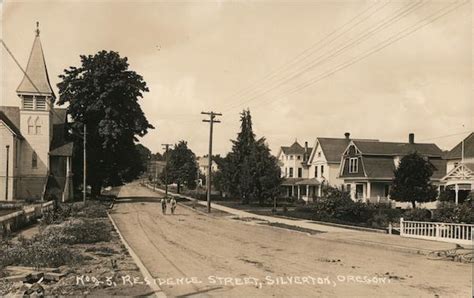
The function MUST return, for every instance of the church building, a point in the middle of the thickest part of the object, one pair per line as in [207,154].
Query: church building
[35,154]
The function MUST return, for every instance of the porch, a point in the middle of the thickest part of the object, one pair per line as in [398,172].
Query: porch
[302,189]
[369,190]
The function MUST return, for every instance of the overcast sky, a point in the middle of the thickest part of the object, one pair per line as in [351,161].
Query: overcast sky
[226,56]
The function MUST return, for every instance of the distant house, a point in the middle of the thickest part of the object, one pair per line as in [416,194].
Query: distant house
[460,169]
[367,167]
[293,166]
[203,165]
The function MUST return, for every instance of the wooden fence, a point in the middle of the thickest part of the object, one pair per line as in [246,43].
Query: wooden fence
[21,218]
[438,231]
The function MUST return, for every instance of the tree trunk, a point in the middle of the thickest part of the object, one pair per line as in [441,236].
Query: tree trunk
[179,187]
[96,188]
[413,204]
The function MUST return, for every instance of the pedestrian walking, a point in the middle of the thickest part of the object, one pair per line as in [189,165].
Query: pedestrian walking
[163,205]
[173,205]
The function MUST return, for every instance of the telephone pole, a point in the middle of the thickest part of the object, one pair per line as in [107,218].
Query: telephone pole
[7,178]
[212,120]
[85,167]
[166,147]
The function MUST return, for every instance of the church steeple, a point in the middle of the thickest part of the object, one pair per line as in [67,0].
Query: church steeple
[36,80]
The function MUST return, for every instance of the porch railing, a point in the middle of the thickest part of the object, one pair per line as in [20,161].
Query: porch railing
[438,231]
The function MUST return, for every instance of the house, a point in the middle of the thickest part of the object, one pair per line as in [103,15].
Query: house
[203,165]
[367,167]
[460,169]
[293,167]
[35,154]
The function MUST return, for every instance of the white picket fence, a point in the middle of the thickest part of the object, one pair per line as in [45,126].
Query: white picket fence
[446,232]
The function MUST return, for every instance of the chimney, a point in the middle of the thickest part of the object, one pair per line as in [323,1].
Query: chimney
[411,138]
[306,154]
[306,147]
[347,135]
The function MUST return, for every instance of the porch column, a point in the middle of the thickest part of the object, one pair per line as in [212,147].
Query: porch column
[319,191]
[293,190]
[68,189]
[353,191]
[307,191]
[456,190]
[299,192]
[368,191]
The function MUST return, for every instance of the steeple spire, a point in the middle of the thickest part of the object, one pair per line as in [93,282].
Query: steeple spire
[36,80]
[37,29]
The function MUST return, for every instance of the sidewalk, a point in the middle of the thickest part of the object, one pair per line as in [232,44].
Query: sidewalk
[332,233]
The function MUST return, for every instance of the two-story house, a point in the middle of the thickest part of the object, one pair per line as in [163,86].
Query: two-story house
[367,167]
[293,166]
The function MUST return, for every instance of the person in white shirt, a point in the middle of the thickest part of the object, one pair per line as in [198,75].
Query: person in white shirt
[173,205]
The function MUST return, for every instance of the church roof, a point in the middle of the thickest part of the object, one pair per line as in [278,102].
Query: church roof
[10,124]
[36,72]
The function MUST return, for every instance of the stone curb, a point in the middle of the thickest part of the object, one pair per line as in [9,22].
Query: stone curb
[157,291]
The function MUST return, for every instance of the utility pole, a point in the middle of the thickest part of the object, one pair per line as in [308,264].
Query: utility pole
[85,167]
[6,173]
[166,147]
[211,121]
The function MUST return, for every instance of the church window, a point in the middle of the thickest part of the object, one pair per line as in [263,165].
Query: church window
[28,102]
[30,126]
[38,126]
[34,160]
[41,103]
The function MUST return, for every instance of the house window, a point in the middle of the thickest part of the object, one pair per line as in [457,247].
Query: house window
[353,165]
[34,160]
[291,157]
[298,157]
[316,171]
[300,172]
[291,173]
[387,190]
[319,154]
[322,171]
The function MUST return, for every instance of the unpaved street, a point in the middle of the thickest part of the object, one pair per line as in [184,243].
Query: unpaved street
[191,253]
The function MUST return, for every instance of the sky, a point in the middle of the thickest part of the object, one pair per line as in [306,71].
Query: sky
[305,69]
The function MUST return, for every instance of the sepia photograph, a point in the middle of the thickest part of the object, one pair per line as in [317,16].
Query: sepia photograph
[236,148]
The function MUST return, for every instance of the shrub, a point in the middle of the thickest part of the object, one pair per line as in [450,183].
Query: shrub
[417,214]
[449,212]
[78,231]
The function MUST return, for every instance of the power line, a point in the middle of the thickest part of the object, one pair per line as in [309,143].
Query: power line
[446,136]
[388,41]
[353,42]
[310,50]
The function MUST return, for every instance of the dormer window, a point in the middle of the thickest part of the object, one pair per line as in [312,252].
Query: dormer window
[353,165]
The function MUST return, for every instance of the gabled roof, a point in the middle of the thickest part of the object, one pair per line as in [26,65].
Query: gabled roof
[455,153]
[296,148]
[36,72]
[396,149]
[10,124]
[333,148]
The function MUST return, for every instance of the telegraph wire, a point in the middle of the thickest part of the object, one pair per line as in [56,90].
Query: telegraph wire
[310,50]
[388,42]
[322,59]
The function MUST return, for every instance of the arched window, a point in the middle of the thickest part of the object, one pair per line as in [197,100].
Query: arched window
[30,126]
[38,124]
[34,160]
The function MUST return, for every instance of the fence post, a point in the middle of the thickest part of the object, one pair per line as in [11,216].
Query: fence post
[437,231]
[390,228]
[402,232]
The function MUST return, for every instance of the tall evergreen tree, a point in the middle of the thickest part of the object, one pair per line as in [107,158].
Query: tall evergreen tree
[249,171]
[412,180]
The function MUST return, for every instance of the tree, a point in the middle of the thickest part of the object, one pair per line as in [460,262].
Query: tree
[103,94]
[182,168]
[145,156]
[249,171]
[412,180]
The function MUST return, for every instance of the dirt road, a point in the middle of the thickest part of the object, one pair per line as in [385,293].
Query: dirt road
[190,253]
